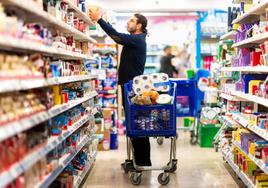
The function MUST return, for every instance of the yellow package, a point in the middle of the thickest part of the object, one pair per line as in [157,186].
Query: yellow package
[262,177]
[57,95]
[261,184]
[253,83]
[252,148]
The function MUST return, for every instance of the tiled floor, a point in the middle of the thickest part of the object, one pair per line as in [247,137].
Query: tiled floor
[197,167]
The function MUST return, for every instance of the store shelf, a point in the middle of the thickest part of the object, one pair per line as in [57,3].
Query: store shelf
[251,42]
[244,122]
[210,36]
[261,132]
[239,118]
[14,44]
[104,51]
[252,98]
[229,158]
[258,162]
[240,1]
[35,156]
[228,35]
[25,84]
[33,13]
[82,15]
[253,69]
[231,97]
[16,127]
[80,178]
[228,121]
[64,161]
[208,54]
[253,14]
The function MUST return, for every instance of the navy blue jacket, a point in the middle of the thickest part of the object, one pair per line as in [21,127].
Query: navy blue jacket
[133,55]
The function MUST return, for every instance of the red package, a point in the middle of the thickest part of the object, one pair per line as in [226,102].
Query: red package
[3,157]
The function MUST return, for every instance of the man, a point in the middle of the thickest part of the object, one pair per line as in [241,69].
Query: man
[166,62]
[132,64]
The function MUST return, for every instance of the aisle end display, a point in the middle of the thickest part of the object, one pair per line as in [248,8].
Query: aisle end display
[48,98]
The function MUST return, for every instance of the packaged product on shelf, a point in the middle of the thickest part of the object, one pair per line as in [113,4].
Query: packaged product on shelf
[107,113]
[109,100]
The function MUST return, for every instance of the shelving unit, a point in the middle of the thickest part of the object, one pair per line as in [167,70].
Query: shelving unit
[244,122]
[34,13]
[253,14]
[253,98]
[25,84]
[255,69]
[11,129]
[31,12]
[233,96]
[251,42]
[78,180]
[258,162]
[79,13]
[228,35]
[32,158]
[64,161]
[229,158]
[230,97]
[11,44]
[228,121]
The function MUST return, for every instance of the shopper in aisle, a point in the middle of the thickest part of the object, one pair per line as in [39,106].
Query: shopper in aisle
[166,63]
[132,64]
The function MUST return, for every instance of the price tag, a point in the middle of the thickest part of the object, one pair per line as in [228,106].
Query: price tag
[9,130]
[55,143]
[16,170]
[47,148]
[38,118]
[17,128]
[65,134]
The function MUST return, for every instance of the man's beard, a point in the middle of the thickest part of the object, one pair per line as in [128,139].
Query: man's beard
[131,31]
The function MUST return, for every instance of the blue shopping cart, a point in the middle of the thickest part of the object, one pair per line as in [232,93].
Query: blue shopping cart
[189,100]
[150,121]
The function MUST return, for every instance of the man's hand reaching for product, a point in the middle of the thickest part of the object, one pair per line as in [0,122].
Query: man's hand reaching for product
[95,14]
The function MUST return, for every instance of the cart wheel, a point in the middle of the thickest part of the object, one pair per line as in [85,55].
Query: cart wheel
[216,148]
[135,178]
[160,141]
[193,140]
[127,166]
[163,178]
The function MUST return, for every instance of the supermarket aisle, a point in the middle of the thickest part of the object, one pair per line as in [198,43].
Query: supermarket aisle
[198,167]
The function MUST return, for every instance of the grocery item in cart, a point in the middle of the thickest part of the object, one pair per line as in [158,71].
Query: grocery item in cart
[158,82]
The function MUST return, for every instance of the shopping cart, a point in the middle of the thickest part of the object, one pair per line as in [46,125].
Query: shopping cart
[187,105]
[189,100]
[150,121]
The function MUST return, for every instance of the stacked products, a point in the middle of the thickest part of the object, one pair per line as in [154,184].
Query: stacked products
[149,90]
[47,96]
[251,145]
[16,148]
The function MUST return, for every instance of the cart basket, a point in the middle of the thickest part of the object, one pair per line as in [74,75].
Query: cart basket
[150,121]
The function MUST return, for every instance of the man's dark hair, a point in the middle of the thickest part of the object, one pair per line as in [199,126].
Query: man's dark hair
[167,47]
[143,21]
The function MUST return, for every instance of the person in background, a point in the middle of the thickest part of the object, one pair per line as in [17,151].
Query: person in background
[166,63]
[132,64]
[182,61]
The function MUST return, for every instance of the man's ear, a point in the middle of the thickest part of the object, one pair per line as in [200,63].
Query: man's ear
[139,26]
